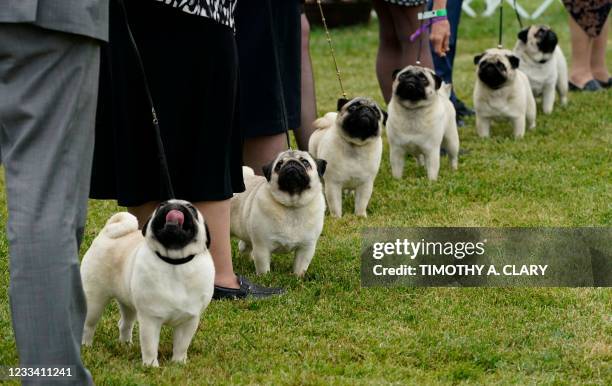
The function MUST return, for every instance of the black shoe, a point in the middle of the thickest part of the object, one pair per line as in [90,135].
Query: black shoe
[462,110]
[605,84]
[460,122]
[247,289]
[591,85]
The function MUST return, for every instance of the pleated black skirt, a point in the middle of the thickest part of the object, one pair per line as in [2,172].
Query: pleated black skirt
[191,66]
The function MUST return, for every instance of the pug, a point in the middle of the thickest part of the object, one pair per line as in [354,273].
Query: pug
[542,60]
[350,140]
[502,91]
[421,121]
[163,274]
[281,212]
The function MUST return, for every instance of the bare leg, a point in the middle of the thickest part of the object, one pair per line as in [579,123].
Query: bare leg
[217,216]
[309,102]
[406,23]
[598,55]
[582,45]
[389,53]
[143,212]
[259,151]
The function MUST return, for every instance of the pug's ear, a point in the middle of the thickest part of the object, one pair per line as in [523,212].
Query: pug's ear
[477,58]
[145,226]
[341,103]
[321,166]
[522,35]
[207,236]
[514,61]
[267,171]
[438,81]
[395,72]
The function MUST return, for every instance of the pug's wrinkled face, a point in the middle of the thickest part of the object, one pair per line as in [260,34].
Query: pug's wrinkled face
[295,177]
[360,119]
[415,86]
[176,229]
[496,67]
[539,41]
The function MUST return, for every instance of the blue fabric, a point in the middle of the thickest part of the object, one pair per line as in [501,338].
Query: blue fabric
[444,65]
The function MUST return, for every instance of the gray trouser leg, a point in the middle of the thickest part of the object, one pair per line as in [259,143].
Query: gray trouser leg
[48,92]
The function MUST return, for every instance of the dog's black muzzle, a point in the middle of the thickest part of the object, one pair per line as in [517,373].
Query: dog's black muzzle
[362,122]
[174,226]
[411,88]
[293,177]
[492,74]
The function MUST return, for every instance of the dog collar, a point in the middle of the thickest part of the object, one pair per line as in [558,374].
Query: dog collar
[183,260]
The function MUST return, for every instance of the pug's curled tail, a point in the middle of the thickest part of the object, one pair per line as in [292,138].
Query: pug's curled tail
[325,121]
[120,224]
[247,172]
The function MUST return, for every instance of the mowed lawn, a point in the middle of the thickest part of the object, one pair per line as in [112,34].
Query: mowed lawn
[329,330]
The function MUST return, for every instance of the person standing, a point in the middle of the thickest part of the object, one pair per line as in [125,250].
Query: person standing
[268,34]
[190,63]
[444,64]
[588,24]
[397,21]
[49,63]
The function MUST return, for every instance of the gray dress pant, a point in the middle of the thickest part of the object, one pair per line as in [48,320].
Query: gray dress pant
[48,93]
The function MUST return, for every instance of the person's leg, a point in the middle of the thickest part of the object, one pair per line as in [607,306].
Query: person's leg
[405,20]
[388,57]
[582,46]
[259,151]
[47,116]
[143,212]
[217,217]
[309,102]
[598,55]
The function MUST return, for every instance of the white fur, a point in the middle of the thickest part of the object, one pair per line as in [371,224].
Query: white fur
[544,78]
[122,264]
[267,220]
[351,164]
[514,100]
[422,128]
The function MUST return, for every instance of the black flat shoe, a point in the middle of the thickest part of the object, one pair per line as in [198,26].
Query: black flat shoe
[247,289]
[591,85]
[462,110]
[603,84]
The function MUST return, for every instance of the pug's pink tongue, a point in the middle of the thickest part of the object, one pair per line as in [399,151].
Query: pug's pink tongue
[175,217]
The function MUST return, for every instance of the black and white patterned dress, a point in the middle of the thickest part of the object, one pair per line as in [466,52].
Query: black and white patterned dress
[222,11]
[407,3]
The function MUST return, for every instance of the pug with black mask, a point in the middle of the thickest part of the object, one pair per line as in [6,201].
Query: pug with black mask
[281,212]
[421,121]
[163,274]
[502,91]
[543,62]
[350,140]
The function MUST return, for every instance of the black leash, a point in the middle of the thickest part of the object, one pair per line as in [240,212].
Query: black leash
[161,153]
[518,17]
[501,22]
[281,89]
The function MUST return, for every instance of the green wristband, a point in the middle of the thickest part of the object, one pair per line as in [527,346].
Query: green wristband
[432,14]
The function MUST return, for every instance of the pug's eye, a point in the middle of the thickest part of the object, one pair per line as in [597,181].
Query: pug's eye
[352,108]
[305,162]
[278,165]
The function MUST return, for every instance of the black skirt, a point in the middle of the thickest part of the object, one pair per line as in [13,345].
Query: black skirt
[261,79]
[191,66]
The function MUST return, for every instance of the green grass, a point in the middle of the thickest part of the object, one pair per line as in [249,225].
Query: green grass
[328,330]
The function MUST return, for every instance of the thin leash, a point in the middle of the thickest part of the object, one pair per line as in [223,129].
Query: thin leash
[418,58]
[331,49]
[281,88]
[432,17]
[518,17]
[501,22]
[161,153]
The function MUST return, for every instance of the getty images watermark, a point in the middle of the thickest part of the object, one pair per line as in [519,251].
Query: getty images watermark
[489,257]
